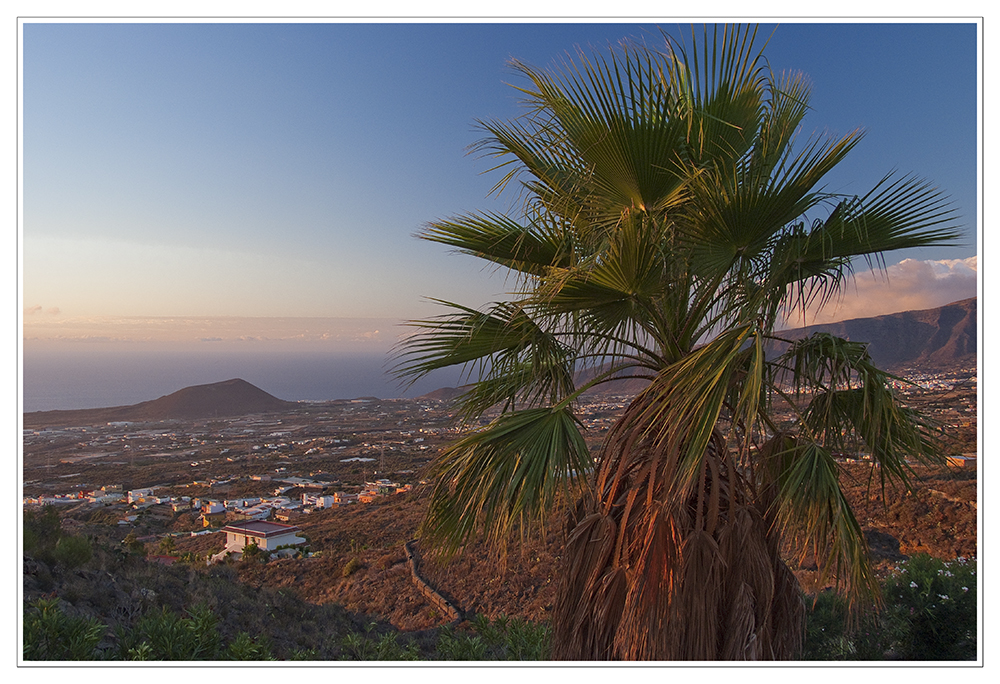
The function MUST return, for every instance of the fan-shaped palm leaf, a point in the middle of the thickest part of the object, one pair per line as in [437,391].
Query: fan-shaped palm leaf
[666,223]
[503,477]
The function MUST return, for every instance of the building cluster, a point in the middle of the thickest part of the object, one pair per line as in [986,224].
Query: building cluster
[213,512]
[107,494]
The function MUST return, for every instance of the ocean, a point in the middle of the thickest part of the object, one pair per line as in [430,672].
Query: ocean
[96,375]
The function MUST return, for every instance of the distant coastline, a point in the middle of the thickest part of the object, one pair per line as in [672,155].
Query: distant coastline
[88,377]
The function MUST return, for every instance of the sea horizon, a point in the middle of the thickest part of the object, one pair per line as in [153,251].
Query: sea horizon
[88,378]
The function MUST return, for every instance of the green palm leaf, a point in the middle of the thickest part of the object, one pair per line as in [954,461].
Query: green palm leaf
[516,359]
[507,475]
[810,506]
[665,222]
[533,250]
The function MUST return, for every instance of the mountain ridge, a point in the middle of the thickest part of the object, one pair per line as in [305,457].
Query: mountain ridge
[942,336]
[935,338]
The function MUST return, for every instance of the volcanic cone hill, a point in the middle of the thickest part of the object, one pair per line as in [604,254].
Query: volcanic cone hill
[234,397]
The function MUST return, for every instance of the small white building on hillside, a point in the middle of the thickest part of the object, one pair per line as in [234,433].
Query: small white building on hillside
[318,501]
[266,535]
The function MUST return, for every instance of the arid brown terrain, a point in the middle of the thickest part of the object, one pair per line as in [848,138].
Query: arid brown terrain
[938,518]
[187,450]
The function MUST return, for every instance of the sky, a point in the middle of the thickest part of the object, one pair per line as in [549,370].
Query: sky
[197,182]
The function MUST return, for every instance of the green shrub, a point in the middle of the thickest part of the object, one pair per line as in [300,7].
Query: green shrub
[72,552]
[460,646]
[367,647]
[50,634]
[163,635]
[304,654]
[831,634]
[40,532]
[932,604]
[501,639]
[929,613]
[133,545]
[244,647]
[253,553]
[167,546]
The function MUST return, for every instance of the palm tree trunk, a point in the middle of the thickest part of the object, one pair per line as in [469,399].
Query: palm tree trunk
[655,570]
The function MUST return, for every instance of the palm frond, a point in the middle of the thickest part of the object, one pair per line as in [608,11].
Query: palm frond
[515,359]
[787,98]
[736,218]
[616,292]
[532,249]
[854,407]
[810,507]
[719,87]
[505,476]
[896,214]
[682,406]
[619,123]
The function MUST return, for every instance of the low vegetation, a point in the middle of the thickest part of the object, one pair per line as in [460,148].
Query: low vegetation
[91,599]
[929,613]
[50,633]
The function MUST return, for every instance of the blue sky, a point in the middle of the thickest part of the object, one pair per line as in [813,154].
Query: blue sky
[199,171]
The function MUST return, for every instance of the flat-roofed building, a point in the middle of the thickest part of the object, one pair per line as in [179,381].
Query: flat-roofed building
[266,535]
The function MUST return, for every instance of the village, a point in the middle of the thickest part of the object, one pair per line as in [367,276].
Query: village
[324,501]
[172,479]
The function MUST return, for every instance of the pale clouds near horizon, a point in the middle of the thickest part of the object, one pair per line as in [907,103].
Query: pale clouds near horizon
[355,334]
[910,285]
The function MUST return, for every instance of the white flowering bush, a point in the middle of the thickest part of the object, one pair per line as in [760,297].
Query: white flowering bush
[932,605]
[928,613]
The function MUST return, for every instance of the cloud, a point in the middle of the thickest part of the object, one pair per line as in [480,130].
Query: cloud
[907,286]
[289,333]
[31,310]
[52,311]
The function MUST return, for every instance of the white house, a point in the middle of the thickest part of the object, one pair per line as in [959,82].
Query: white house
[139,495]
[254,513]
[266,535]
[318,501]
[245,502]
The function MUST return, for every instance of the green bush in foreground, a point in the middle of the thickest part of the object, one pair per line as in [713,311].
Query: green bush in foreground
[501,639]
[163,635]
[929,613]
[50,634]
[368,647]
[933,604]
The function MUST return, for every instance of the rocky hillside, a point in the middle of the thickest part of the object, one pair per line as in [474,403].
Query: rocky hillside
[932,338]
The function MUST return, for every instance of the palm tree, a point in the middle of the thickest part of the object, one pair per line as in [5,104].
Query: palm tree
[665,228]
